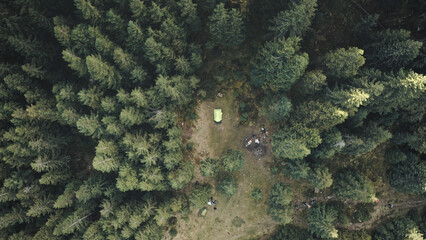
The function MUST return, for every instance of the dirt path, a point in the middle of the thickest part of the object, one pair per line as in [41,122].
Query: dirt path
[383,212]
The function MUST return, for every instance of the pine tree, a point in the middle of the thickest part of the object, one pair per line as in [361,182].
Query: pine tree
[278,110]
[320,219]
[312,82]
[226,27]
[87,9]
[107,156]
[200,195]
[392,49]
[75,63]
[232,160]
[90,125]
[180,177]
[228,186]
[296,20]
[409,176]
[278,64]
[296,169]
[102,72]
[320,177]
[352,184]
[342,63]
[209,167]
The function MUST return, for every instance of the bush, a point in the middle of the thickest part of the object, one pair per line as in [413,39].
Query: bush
[209,167]
[237,221]
[363,212]
[394,156]
[190,146]
[257,194]
[232,160]
[173,232]
[200,195]
[228,186]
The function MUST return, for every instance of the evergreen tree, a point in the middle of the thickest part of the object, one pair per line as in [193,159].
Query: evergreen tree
[353,185]
[296,20]
[278,64]
[279,203]
[409,176]
[228,186]
[320,219]
[342,63]
[209,167]
[226,27]
[278,110]
[392,49]
[200,195]
[312,82]
[320,177]
[296,169]
[232,160]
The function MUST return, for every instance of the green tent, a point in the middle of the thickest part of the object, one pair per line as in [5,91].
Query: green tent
[218,115]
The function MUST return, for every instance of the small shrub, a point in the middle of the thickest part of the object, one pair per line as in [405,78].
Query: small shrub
[173,232]
[257,194]
[200,195]
[363,211]
[209,167]
[190,146]
[228,186]
[237,221]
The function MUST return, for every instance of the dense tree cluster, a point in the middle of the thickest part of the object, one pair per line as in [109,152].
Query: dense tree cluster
[93,95]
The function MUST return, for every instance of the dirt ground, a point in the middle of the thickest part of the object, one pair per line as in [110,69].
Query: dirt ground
[212,140]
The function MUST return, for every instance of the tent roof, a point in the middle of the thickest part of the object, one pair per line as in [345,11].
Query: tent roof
[218,115]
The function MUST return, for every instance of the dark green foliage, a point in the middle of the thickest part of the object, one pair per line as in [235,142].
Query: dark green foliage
[228,186]
[291,232]
[278,64]
[398,228]
[392,49]
[331,144]
[257,194]
[394,156]
[232,160]
[296,20]
[363,212]
[320,219]
[200,195]
[343,63]
[93,94]
[353,185]
[366,139]
[312,82]
[281,194]
[278,110]
[354,235]
[280,207]
[226,27]
[297,169]
[409,176]
[209,167]
[295,142]
[320,177]
[173,232]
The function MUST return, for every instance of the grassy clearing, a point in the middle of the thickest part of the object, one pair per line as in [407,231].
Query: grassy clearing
[212,140]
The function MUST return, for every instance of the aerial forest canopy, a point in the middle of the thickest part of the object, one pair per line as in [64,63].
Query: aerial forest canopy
[95,97]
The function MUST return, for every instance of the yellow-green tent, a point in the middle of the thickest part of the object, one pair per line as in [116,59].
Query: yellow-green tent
[218,115]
